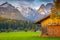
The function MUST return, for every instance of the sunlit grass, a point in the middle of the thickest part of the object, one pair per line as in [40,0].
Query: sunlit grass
[23,36]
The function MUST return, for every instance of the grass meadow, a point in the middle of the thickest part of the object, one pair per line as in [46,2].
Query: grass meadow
[24,36]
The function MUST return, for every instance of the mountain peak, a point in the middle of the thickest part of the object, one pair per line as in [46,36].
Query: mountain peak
[9,11]
[42,6]
[6,4]
[42,9]
[49,4]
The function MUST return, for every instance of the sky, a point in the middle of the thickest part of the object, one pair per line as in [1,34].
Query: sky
[35,4]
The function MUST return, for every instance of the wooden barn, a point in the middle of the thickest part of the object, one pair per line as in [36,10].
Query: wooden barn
[51,23]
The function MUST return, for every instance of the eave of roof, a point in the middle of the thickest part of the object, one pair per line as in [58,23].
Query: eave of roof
[40,20]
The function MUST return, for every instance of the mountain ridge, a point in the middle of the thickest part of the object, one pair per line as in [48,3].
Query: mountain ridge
[9,11]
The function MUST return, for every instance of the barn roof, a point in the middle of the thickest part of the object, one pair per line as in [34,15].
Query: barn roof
[42,19]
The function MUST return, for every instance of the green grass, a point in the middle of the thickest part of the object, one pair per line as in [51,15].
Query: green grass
[23,36]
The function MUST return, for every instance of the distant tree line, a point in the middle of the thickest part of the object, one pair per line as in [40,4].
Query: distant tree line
[7,25]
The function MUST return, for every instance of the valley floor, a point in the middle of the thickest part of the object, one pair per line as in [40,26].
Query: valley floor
[23,36]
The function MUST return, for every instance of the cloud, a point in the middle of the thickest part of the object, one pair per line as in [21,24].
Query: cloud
[29,0]
[16,0]
[46,0]
[35,4]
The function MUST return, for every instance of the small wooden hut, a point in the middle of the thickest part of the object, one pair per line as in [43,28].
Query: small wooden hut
[51,23]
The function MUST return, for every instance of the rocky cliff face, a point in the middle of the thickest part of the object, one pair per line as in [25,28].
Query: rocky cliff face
[9,11]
